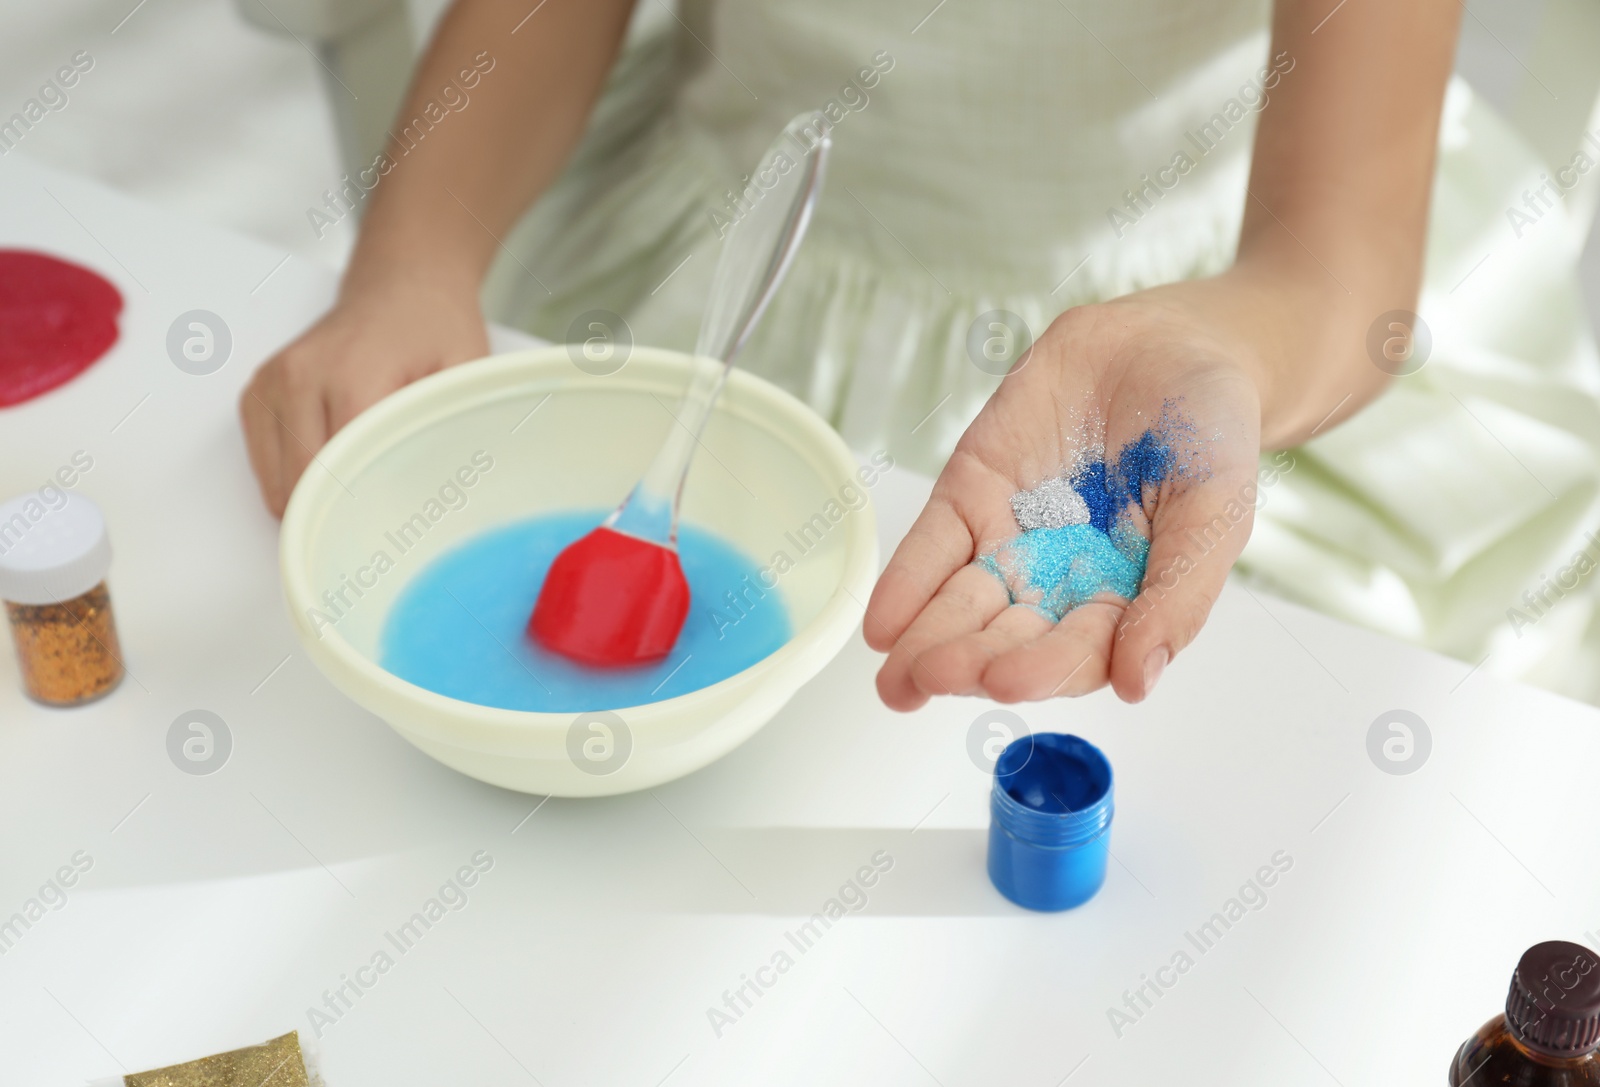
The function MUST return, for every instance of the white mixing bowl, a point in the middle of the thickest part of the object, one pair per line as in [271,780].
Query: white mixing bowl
[393,482]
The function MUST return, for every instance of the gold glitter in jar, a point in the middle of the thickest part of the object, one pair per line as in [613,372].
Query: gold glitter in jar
[278,1063]
[68,651]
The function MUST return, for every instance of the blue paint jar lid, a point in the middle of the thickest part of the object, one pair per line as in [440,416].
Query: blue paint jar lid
[1050,821]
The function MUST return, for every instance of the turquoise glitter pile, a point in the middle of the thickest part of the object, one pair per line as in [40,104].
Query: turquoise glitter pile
[1069,551]
[1068,566]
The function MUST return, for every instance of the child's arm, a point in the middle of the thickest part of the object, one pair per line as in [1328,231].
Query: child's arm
[1337,215]
[1266,354]
[408,304]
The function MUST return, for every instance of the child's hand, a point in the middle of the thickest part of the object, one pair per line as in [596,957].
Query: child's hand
[948,625]
[381,335]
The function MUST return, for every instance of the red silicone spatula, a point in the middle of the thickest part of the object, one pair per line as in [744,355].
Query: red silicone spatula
[618,595]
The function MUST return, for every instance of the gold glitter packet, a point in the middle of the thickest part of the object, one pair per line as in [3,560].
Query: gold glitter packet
[277,1063]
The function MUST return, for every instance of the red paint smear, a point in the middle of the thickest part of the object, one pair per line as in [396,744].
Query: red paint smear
[56,318]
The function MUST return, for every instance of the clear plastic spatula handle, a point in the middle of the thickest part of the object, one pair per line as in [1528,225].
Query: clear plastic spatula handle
[756,253]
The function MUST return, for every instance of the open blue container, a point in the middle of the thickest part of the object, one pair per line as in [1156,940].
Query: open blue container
[1050,821]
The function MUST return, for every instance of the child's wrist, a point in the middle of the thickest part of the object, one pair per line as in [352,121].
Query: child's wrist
[1306,336]
[386,271]
[401,248]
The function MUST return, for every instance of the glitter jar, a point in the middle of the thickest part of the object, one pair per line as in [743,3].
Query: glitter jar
[54,556]
[1050,821]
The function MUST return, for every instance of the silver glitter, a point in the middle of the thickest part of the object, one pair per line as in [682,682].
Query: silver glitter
[1052,504]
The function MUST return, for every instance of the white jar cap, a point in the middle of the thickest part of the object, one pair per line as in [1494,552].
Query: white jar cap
[51,551]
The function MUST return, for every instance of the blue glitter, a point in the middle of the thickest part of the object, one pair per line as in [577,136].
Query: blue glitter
[1091,484]
[1069,566]
[1054,570]
[1148,459]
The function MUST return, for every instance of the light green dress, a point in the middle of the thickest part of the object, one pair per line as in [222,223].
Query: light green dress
[984,156]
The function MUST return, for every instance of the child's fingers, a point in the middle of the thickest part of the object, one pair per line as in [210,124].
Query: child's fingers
[363,386]
[303,429]
[262,442]
[960,662]
[938,545]
[969,508]
[1072,659]
[968,602]
[1196,539]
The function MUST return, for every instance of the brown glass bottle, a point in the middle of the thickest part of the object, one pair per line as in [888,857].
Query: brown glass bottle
[1549,1034]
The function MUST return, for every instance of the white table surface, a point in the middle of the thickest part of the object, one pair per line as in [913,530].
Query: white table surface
[220,907]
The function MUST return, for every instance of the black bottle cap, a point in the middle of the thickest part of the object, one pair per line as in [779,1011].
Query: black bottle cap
[1554,1003]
